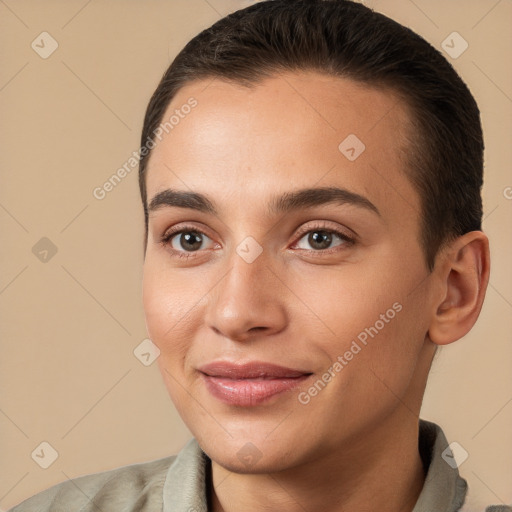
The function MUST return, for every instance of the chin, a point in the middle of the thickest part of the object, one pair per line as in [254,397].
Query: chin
[244,464]
[251,454]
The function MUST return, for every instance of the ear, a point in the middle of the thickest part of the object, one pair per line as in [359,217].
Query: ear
[463,273]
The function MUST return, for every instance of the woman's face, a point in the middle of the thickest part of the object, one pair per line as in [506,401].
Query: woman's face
[333,288]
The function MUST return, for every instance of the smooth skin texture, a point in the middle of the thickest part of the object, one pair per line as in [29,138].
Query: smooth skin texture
[301,304]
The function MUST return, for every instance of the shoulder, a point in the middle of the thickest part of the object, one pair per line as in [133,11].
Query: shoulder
[444,487]
[131,487]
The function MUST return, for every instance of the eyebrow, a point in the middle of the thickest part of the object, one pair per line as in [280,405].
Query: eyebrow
[295,200]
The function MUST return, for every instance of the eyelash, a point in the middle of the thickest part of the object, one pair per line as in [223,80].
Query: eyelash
[171,233]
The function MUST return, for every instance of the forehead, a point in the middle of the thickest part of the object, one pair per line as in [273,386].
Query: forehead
[294,130]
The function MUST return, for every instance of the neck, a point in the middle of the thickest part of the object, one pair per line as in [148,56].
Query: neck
[384,468]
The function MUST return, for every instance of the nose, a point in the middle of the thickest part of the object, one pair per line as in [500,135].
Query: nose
[248,302]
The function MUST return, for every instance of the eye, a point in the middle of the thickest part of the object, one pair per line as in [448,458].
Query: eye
[185,240]
[321,239]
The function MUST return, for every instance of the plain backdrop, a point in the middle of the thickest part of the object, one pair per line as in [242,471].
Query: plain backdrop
[70,279]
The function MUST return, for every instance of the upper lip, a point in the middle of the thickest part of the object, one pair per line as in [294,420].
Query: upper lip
[251,370]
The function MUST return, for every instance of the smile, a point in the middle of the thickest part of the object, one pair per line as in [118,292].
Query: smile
[249,384]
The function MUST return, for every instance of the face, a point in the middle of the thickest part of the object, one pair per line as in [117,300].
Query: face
[287,294]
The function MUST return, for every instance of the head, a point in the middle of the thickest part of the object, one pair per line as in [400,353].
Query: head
[325,165]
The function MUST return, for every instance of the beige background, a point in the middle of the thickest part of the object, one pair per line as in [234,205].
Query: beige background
[69,326]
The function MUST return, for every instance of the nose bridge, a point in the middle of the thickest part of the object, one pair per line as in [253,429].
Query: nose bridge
[247,296]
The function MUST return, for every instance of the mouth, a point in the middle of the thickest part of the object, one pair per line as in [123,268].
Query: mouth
[249,384]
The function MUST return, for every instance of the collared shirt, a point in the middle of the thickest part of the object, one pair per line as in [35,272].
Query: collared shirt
[180,483]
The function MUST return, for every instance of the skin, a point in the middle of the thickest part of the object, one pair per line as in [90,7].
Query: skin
[355,443]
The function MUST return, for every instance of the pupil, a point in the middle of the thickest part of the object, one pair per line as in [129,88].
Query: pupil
[320,239]
[192,239]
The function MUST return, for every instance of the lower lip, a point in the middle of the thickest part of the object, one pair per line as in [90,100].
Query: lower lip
[249,392]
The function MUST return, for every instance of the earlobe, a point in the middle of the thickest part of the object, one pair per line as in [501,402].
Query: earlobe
[464,273]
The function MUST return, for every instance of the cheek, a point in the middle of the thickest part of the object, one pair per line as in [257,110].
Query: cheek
[344,302]
[169,305]
[369,319]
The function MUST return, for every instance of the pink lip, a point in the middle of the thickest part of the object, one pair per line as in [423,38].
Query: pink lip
[251,383]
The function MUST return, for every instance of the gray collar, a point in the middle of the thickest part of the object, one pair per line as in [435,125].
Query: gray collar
[444,489]
[185,488]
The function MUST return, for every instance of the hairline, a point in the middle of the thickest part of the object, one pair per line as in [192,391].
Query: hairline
[409,136]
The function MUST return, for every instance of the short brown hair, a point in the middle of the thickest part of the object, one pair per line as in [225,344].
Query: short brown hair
[346,39]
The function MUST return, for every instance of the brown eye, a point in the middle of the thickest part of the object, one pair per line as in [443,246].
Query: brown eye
[187,240]
[321,239]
